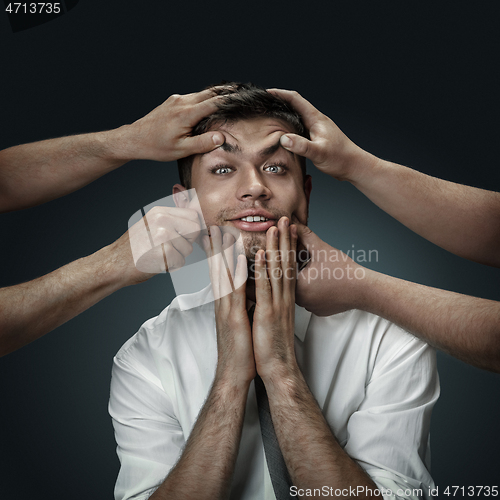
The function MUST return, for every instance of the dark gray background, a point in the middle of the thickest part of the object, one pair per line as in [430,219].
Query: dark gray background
[413,82]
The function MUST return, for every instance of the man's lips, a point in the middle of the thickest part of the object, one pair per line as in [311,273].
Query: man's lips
[254,220]
[253,226]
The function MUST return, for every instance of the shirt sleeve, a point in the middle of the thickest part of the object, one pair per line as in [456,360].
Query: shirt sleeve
[388,435]
[148,435]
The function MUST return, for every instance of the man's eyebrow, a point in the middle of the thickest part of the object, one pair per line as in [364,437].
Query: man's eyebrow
[235,149]
[272,149]
[230,148]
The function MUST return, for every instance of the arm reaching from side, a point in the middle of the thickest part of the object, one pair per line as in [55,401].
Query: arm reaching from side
[461,219]
[32,309]
[31,174]
[463,326]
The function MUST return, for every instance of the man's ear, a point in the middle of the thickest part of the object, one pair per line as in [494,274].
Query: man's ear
[181,197]
[308,187]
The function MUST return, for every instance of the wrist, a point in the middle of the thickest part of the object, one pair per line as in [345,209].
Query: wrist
[281,372]
[232,379]
[368,291]
[283,378]
[114,271]
[121,144]
[364,166]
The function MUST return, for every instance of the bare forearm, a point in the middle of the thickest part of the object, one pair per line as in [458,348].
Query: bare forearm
[206,466]
[461,219]
[463,326]
[32,309]
[313,456]
[31,174]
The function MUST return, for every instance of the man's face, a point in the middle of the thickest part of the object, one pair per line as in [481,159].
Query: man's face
[251,175]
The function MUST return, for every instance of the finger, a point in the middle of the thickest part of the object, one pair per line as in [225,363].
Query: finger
[225,283]
[300,146]
[202,143]
[284,242]
[203,108]
[188,213]
[183,246]
[307,237]
[262,287]
[189,229]
[290,268]
[158,215]
[169,257]
[164,223]
[306,110]
[273,259]
[205,243]
[284,239]
[228,247]
[285,257]
[194,204]
[241,273]
[214,261]
[203,95]
[227,255]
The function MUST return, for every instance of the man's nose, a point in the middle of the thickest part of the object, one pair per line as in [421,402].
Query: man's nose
[253,185]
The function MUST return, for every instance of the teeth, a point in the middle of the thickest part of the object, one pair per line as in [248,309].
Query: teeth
[255,218]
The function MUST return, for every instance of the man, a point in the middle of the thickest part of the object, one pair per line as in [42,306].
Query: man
[350,395]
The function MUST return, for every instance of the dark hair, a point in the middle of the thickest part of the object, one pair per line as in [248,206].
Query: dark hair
[243,101]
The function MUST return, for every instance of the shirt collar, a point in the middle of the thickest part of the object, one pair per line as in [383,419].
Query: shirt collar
[205,296]
[302,318]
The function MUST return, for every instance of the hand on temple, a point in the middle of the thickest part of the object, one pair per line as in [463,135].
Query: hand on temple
[164,134]
[329,148]
[31,174]
[461,219]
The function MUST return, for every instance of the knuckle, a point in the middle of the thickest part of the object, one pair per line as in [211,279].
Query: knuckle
[158,219]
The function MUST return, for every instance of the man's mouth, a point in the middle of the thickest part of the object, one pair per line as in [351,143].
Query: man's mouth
[252,220]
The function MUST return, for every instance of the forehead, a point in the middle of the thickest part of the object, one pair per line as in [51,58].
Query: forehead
[257,137]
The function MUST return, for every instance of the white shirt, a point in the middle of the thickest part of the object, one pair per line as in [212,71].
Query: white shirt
[375,383]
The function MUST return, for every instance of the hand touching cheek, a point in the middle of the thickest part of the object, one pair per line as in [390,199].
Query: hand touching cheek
[234,338]
[274,318]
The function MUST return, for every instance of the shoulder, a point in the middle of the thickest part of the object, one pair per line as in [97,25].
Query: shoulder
[356,324]
[371,338]
[174,329]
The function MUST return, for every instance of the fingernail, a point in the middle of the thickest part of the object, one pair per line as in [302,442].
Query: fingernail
[286,222]
[218,139]
[286,142]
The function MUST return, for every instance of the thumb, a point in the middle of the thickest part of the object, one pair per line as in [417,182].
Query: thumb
[306,236]
[298,145]
[308,242]
[203,143]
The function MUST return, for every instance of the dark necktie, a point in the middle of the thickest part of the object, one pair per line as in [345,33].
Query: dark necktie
[275,462]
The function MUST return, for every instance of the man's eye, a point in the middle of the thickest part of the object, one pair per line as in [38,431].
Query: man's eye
[222,170]
[275,169]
